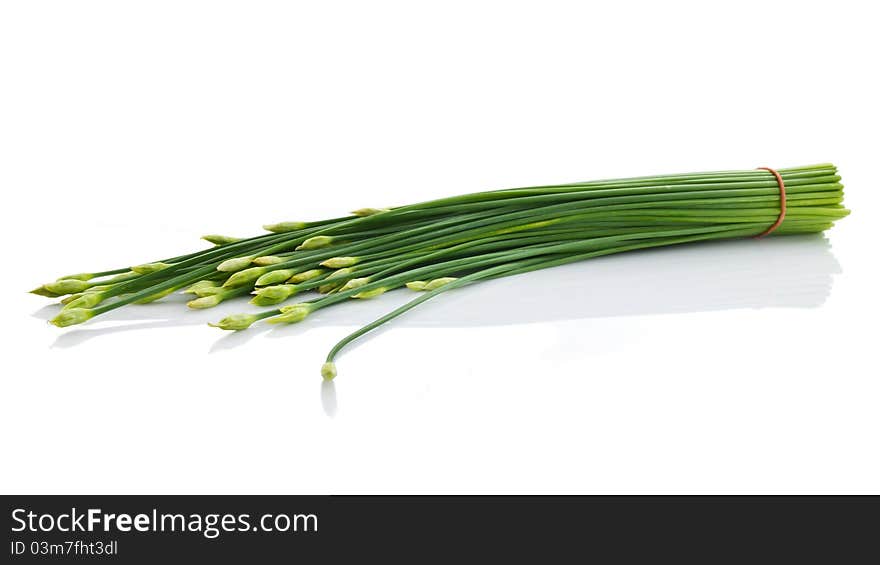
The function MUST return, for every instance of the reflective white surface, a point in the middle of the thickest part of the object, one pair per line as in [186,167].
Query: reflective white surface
[733,367]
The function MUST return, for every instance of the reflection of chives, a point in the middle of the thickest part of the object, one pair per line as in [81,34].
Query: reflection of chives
[443,244]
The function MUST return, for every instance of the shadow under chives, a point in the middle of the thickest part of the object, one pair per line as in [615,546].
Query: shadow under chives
[328,398]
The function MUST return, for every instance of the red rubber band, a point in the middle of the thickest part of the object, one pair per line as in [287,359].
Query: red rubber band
[781,217]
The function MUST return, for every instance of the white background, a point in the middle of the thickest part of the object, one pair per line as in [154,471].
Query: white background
[128,129]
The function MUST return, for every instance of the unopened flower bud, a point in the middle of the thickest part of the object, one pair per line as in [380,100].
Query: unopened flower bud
[437,283]
[236,322]
[84,300]
[201,285]
[364,212]
[316,242]
[220,239]
[372,293]
[274,277]
[126,276]
[338,273]
[268,260]
[291,314]
[306,275]
[209,291]
[205,302]
[67,286]
[148,268]
[418,286]
[236,264]
[328,371]
[339,262]
[78,276]
[70,298]
[72,316]
[269,295]
[43,291]
[282,227]
[247,276]
[355,283]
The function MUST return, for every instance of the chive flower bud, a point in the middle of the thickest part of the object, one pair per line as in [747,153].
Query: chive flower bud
[437,283]
[220,239]
[418,286]
[43,291]
[84,300]
[66,286]
[338,273]
[291,314]
[208,291]
[199,286]
[72,316]
[236,264]
[329,288]
[306,275]
[205,302]
[273,294]
[244,277]
[79,277]
[316,242]
[355,283]
[370,293]
[70,298]
[339,262]
[148,268]
[364,212]
[236,322]
[122,277]
[267,260]
[328,371]
[282,227]
[274,277]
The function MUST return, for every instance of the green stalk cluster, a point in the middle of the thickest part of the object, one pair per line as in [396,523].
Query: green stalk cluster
[439,245]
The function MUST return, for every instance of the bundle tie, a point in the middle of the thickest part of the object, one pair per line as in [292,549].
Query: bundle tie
[781,217]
